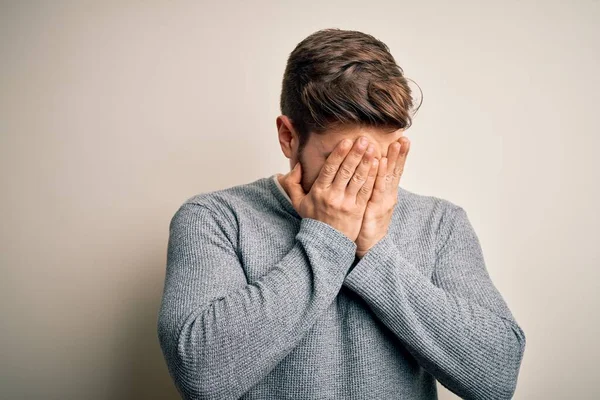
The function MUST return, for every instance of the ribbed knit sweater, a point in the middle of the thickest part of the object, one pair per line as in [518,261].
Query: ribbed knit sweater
[260,303]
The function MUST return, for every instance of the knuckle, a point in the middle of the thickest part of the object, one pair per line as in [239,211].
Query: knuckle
[346,208]
[345,172]
[330,199]
[358,178]
[327,204]
[329,169]
[364,190]
[357,154]
[316,192]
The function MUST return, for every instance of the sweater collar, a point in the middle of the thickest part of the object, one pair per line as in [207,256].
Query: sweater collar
[281,195]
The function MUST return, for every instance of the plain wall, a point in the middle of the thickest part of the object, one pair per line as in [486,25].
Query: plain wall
[114,113]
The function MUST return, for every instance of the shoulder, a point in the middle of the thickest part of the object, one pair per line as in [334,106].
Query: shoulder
[232,196]
[420,215]
[425,206]
[226,205]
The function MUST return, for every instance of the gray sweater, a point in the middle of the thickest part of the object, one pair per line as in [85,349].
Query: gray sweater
[260,303]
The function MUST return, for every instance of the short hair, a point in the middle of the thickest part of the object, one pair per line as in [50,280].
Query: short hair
[338,77]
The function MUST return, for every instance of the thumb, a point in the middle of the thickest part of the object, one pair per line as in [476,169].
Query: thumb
[296,192]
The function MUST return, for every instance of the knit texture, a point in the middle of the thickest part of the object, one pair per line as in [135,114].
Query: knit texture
[260,303]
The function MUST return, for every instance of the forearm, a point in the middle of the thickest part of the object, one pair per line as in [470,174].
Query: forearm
[224,347]
[473,351]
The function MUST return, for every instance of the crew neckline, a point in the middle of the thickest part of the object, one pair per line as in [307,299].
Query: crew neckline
[283,200]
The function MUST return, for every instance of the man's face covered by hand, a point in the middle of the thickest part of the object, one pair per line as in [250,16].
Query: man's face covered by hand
[317,149]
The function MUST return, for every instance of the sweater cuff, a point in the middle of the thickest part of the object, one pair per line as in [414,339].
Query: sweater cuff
[333,244]
[366,271]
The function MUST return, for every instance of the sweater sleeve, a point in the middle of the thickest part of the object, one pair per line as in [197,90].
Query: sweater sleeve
[219,334]
[456,325]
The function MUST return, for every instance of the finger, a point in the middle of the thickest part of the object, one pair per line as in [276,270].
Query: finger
[362,173]
[380,187]
[393,155]
[364,194]
[346,170]
[401,161]
[332,164]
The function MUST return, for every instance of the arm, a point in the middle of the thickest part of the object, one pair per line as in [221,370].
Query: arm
[457,326]
[219,334]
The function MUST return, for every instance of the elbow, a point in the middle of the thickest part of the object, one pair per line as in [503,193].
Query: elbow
[497,379]
[502,382]
[189,366]
[181,369]
[514,357]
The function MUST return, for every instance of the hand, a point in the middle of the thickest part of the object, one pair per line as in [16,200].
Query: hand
[340,193]
[380,206]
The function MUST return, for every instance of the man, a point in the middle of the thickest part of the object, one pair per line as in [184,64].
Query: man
[332,282]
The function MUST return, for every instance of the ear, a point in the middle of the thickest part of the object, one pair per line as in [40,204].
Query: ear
[288,138]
